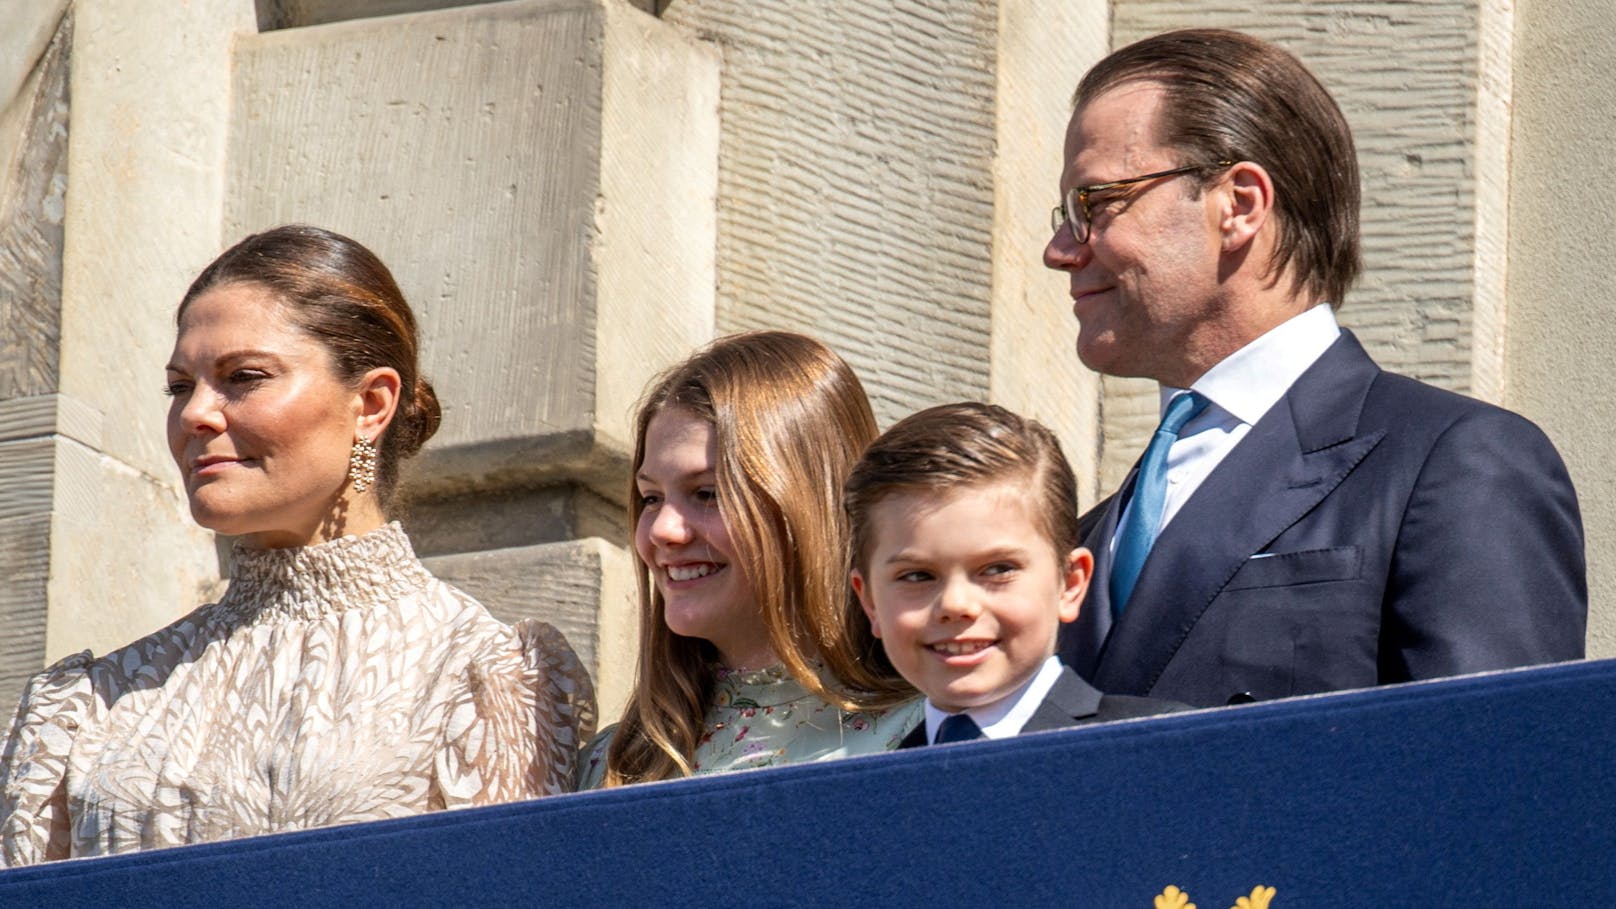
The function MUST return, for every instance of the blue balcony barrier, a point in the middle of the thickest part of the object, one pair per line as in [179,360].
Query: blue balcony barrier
[1491,790]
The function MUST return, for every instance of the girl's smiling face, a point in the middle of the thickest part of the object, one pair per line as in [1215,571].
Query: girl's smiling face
[683,540]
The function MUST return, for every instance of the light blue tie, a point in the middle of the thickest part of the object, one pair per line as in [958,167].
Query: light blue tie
[957,728]
[1139,528]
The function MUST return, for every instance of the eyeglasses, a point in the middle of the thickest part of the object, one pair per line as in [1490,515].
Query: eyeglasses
[1074,209]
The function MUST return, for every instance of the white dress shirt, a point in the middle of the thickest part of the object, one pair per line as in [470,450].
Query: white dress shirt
[1004,718]
[1241,388]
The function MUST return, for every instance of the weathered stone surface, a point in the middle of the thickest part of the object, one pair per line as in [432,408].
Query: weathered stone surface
[28,29]
[151,91]
[274,14]
[885,181]
[31,210]
[150,86]
[540,177]
[506,518]
[1560,336]
[33,151]
[126,558]
[1033,367]
[25,565]
[583,587]
[110,552]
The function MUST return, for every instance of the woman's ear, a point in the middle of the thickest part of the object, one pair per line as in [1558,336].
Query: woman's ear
[1248,194]
[376,399]
[1079,569]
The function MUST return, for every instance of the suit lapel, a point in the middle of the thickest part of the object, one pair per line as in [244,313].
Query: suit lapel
[1070,699]
[1295,456]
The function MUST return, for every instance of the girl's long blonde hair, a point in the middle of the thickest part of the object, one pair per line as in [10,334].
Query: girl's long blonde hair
[789,418]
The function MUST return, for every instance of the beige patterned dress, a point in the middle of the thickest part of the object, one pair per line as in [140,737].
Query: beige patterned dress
[331,684]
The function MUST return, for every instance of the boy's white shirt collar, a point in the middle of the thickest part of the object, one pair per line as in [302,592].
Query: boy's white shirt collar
[1005,717]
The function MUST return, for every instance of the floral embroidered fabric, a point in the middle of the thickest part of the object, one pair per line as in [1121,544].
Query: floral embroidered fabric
[764,718]
[331,684]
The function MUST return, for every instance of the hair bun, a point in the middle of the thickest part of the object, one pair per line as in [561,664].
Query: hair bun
[420,419]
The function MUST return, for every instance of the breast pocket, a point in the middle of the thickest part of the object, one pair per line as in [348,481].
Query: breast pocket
[1290,569]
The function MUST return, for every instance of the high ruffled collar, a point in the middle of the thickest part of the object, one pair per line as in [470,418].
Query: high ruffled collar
[310,581]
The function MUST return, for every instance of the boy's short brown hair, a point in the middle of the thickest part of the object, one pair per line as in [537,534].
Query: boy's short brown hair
[957,446]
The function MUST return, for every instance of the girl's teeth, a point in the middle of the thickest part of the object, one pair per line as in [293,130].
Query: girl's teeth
[690,572]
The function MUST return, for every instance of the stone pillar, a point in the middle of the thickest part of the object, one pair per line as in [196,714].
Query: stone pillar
[276,14]
[33,152]
[540,176]
[885,178]
[1560,337]
[112,141]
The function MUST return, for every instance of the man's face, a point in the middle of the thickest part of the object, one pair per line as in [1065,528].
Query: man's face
[1145,287]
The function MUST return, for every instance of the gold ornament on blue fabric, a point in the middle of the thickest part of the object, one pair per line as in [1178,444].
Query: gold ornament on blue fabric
[1173,898]
[362,464]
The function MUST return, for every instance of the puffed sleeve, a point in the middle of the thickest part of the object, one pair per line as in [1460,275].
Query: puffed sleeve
[515,733]
[34,824]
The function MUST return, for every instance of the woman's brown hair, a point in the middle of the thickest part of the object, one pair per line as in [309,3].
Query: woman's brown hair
[341,295]
[789,419]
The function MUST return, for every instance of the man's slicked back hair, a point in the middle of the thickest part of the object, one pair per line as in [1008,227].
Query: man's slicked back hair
[1231,97]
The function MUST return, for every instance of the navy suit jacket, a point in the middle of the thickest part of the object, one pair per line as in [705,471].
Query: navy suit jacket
[1368,529]
[1073,702]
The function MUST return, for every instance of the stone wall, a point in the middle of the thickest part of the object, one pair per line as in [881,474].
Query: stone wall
[1560,336]
[33,152]
[885,175]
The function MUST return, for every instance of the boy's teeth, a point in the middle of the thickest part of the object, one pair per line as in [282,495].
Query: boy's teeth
[690,572]
[955,648]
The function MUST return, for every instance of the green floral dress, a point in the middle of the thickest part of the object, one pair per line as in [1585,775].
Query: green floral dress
[765,718]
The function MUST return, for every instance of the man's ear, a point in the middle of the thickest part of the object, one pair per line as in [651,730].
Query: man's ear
[863,593]
[376,399]
[1248,202]
[1075,582]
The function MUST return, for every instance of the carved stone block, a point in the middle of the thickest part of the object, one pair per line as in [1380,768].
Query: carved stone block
[583,587]
[540,177]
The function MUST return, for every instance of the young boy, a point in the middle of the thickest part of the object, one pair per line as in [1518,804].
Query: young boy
[966,558]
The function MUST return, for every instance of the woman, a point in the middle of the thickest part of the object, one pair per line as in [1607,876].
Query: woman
[752,652]
[336,680]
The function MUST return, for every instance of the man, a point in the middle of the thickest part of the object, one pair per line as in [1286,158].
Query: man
[1302,521]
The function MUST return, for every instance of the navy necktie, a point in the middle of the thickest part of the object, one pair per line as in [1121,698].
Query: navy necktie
[957,728]
[1143,521]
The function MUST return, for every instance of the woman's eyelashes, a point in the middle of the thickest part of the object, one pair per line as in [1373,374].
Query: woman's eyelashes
[239,379]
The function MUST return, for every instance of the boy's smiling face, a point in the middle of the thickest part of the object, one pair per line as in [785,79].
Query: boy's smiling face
[966,592]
